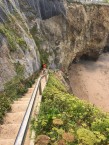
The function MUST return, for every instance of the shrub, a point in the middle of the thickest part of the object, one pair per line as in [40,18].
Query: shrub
[13,90]
[22,43]
[13,38]
[10,37]
[86,136]
[86,123]
[19,70]
[4,105]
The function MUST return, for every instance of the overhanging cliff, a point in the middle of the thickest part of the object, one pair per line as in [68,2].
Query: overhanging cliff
[83,30]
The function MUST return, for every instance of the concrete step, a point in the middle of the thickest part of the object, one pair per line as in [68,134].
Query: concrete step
[9,131]
[21,102]
[7,141]
[18,108]
[12,118]
[30,90]
[24,99]
[27,95]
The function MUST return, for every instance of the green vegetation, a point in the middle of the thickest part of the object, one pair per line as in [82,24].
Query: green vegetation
[72,1]
[17,18]
[13,37]
[106,1]
[10,37]
[22,43]
[4,105]
[43,54]
[36,38]
[66,120]
[19,70]
[14,89]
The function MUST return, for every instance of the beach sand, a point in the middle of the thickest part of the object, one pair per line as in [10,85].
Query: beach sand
[89,80]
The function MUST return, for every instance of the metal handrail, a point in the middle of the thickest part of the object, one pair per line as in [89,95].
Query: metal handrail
[23,128]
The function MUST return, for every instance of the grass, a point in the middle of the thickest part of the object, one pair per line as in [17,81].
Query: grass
[66,120]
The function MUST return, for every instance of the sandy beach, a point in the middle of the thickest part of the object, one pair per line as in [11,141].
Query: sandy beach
[89,80]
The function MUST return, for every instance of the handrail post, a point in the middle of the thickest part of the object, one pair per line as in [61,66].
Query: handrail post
[40,88]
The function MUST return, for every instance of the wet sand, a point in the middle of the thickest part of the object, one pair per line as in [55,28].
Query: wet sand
[89,80]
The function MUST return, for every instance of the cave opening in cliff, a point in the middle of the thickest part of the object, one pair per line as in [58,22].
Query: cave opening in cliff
[106,49]
[50,8]
[86,57]
[44,9]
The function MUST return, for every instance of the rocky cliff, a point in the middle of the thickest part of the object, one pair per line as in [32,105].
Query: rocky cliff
[84,30]
[18,51]
[31,33]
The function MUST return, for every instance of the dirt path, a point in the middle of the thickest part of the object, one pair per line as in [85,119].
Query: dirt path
[90,81]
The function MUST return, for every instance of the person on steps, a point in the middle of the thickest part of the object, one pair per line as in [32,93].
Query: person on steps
[44,66]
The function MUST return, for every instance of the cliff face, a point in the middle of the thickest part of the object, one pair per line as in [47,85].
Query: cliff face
[84,30]
[30,34]
[18,51]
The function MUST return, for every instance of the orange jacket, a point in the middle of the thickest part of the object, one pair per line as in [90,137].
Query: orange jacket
[44,65]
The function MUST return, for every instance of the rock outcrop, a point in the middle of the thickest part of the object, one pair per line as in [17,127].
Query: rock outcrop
[28,35]
[18,51]
[83,30]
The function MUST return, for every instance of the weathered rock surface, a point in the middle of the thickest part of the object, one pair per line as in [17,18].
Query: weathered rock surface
[28,58]
[84,30]
[17,47]
[72,30]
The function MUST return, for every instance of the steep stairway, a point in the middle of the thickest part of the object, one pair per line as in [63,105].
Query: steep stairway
[13,119]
